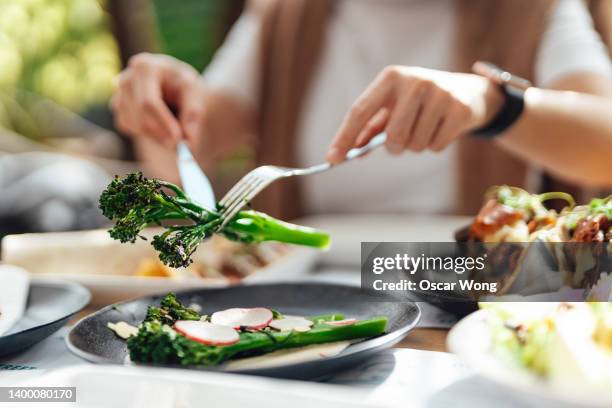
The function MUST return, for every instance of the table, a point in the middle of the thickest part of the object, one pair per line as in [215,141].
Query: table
[425,339]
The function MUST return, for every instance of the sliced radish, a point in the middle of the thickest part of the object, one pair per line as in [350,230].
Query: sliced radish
[296,323]
[207,333]
[345,322]
[255,318]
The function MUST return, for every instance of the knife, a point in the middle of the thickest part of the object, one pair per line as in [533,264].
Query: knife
[194,181]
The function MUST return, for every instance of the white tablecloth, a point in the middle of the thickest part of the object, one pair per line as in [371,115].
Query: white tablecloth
[401,377]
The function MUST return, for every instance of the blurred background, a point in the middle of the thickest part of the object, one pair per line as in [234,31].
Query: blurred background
[59,60]
[58,63]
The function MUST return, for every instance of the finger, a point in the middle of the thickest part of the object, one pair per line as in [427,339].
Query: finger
[452,126]
[375,97]
[376,125]
[192,112]
[431,115]
[402,122]
[124,105]
[122,117]
[156,118]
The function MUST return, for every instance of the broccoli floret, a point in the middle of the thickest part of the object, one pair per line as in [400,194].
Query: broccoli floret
[176,309]
[158,343]
[176,245]
[122,196]
[170,310]
[136,202]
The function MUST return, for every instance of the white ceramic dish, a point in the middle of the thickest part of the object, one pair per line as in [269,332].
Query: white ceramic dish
[14,286]
[470,339]
[104,386]
[106,267]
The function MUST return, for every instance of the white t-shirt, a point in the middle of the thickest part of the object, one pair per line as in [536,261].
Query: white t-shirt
[363,37]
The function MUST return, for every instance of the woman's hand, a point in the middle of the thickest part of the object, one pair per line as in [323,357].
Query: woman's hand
[418,108]
[147,87]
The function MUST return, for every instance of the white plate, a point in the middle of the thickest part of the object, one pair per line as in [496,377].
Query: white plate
[105,386]
[106,267]
[14,285]
[107,289]
[470,339]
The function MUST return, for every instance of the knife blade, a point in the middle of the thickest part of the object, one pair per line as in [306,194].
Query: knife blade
[194,180]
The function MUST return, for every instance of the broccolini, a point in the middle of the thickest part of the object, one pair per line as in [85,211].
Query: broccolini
[136,202]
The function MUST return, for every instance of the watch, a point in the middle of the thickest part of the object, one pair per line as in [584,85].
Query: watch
[513,88]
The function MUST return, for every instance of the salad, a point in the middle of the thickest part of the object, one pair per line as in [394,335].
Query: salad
[565,343]
[172,333]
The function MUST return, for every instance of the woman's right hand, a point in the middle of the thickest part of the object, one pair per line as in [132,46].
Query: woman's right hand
[148,87]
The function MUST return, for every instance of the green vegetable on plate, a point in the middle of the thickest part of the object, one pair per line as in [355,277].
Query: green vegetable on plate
[174,334]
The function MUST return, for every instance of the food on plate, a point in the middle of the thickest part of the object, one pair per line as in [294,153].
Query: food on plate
[569,344]
[289,323]
[588,229]
[217,258]
[511,214]
[289,356]
[14,288]
[592,222]
[515,229]
[254,318]
[175,334]
[136,202]
[123,329]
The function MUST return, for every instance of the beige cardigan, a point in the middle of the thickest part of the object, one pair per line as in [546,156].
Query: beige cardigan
[505,32]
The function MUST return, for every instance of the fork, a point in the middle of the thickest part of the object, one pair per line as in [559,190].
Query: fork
[258,179]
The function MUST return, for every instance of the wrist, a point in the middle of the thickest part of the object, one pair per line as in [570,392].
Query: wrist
[501,116]
[494,100]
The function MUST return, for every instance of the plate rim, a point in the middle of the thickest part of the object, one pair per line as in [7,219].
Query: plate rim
[388,338]
[54,283]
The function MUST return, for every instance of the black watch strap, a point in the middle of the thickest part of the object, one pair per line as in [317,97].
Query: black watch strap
[513,88]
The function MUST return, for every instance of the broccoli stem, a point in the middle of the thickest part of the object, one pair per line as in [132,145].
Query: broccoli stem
[320,333]
[253,226]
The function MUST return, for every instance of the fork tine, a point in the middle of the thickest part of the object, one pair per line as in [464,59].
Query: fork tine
[242,199]
[239,204]
[237,188]
[239,195]
[255,173]
[232,191]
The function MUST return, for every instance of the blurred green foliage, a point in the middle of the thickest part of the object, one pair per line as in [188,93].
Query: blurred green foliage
[191,30]
[60,49]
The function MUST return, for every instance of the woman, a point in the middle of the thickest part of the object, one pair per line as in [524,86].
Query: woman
[290,70]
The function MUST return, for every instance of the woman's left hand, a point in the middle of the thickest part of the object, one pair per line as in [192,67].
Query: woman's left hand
[418,108]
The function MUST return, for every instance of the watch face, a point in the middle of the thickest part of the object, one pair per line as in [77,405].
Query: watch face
[500,76]
[516,81]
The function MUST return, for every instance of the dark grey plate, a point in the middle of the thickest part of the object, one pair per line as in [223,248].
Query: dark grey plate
[93,341]
[50,305]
